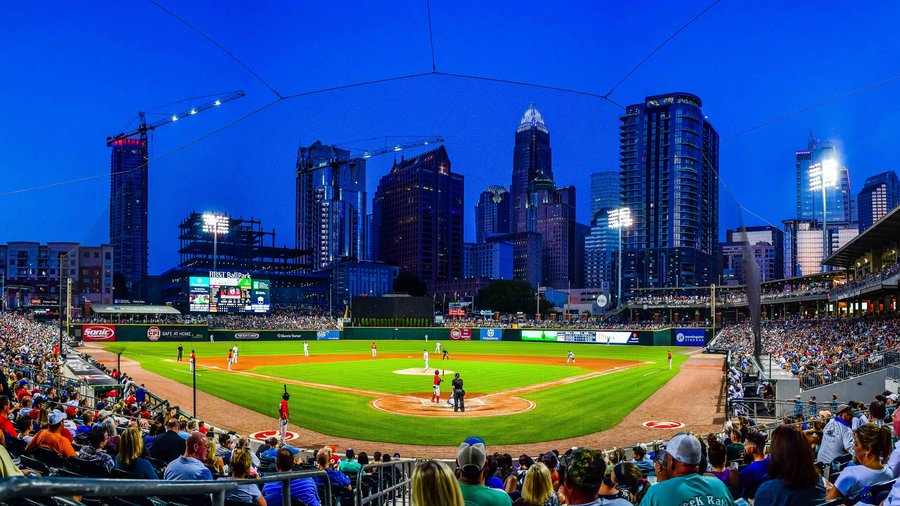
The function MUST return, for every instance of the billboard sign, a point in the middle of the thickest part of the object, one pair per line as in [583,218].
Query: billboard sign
[539,335]
[95,333]
[328,335]
[460,334]
[228,292]
[455,309]
[690,337]
[491,334]
[175,333]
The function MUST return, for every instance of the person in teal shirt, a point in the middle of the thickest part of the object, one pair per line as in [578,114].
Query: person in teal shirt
[471,458]
[685,486]
[349,465]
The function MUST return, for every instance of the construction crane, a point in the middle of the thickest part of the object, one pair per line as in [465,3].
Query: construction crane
[143,127]
[336,161]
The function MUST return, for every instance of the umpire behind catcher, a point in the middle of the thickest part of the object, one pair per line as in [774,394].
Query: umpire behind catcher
[459,402]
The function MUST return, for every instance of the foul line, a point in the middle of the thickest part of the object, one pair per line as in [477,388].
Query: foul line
[564,381]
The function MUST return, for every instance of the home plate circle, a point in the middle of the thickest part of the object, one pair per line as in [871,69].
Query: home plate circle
[660,424]
[263,434]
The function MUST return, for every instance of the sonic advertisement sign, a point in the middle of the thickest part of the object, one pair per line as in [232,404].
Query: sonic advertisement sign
[98,333]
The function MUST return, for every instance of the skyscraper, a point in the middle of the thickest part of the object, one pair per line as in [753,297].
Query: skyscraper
[492,213]
[669,163]
[128,194]
[879,196]
[531,159]
[418,211]
[330,205]
[839,200]
[606,191]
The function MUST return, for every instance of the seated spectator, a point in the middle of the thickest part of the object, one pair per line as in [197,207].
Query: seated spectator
[240,468]
[24,426]
[718,467]
[537,489]
[269,444]
[623,486]
[6,425]
[335,477]
[582,472]
[168,446]
[225,447]
[640,458]
[112,435]
[872,445]
[8,468]
[87,422]
[51,437]
[212,461]
[130,460]
[433,484]
[793,477]
[735,449]
[149,438]
[272,452]
[837,437]
[94,450]
[349,465]
[683,483]
[752,476]
[243,443]
[302,489]
[190,465]
[471,459]
[363,460]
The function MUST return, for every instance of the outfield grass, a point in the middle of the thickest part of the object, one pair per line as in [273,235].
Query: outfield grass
[563,411]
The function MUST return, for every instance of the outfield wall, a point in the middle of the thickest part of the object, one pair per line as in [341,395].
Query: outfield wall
[184,333]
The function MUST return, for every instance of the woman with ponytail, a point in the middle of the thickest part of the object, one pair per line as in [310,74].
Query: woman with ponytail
[872,446]
[623,486]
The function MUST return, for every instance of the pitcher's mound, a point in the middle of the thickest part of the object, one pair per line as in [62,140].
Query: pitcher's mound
[419,371]
[477,405]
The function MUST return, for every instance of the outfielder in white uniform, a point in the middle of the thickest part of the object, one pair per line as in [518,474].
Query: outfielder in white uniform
[234,351]
[305,349]
[437,347]
[425,356]
[570,357]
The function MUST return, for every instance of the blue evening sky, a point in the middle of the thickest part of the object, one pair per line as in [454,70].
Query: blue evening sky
[73,73]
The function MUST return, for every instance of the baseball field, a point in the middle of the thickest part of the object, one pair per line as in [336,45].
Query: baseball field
[516,392]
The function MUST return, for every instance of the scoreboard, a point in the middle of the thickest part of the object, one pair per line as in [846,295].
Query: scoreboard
[228,292]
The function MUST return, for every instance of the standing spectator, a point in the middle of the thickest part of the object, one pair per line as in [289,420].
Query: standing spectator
[240,469]
[94,452]
[168,446]
[793,477]
[433,484]
[537,490]
[872,447]
[752,476]
[681,464]
[302,489]
[837,437]
[583,472]
[130,449]
[140,395]
[471,458]
[190,465]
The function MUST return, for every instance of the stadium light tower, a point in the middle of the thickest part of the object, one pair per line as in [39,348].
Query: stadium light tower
[619,218]
[215,224]
[822,176]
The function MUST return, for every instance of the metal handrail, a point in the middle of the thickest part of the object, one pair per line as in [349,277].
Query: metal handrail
[397,488]
[96,487]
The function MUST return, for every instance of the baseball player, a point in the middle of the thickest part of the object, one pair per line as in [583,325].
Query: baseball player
[305,348]
[374,350]
[436,396]
[230,358]
[426,338]
[425,357]
[180,351]
[669,358]
[284,413]
[212,339]
[446,355]
[437,347]
[235,351]
[459,401]
[570,358]
[193,360]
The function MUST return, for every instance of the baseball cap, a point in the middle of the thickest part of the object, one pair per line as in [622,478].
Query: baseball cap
[584,467]
[56,417]
[472,455]
[843,407]
[70,411]
[893,397]
[685,448]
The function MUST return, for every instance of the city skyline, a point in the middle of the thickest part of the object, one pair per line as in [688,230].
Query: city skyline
[255,159]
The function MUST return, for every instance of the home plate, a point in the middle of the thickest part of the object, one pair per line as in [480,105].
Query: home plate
[419,371]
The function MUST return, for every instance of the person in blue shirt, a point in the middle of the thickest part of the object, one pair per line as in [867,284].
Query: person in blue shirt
[130,449]
[752,476]
[335,477]
[302,489]
[793,477]
[140,395]
[190,465]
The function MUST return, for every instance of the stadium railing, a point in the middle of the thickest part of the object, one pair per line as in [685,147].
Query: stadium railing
[848,371]
[388,481]
[37,488]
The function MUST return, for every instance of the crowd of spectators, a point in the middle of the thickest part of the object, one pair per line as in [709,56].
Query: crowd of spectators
[875,278]
[731,296]
[584,323]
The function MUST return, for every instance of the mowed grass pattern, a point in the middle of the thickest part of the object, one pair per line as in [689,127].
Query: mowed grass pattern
[561,411]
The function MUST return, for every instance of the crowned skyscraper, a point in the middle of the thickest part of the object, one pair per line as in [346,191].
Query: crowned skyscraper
[531,159]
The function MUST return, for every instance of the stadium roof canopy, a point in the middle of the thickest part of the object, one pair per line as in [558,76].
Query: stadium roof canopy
[106,309]
[883,234]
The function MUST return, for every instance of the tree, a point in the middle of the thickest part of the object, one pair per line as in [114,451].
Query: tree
[410,284]
[508,296]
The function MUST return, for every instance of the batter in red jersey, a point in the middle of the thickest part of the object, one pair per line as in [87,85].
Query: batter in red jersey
[284,413]
[436,395]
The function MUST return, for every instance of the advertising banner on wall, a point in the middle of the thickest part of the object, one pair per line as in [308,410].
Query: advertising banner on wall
[598,337]
[98,333]
[460,334]
[491,334]
[690,337]
[328,335]
[175,333]
[539,335]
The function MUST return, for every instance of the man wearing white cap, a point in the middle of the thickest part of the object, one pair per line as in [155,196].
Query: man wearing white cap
[471,458]
[681,461]
[52,438]
[837,436]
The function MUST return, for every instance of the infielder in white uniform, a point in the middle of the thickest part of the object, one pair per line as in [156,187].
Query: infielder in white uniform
[425,356]
[437,347]
[570,357]
[235,352]
[305,349]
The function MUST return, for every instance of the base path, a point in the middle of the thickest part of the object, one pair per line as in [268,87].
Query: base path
[692,397]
